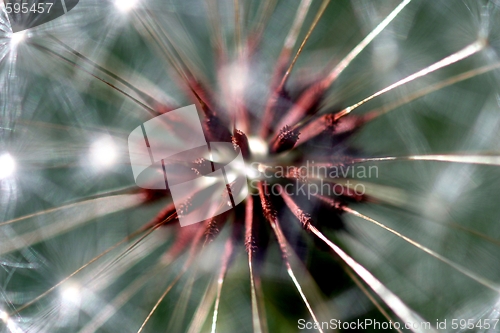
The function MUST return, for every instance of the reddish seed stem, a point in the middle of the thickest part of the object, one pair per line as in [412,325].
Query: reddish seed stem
[307,104]
[286,140]
[267,207]
[327,124]
[271,215]
[212,230]
[276,94]
[240,141]
[249,221]
[216,130]
[162,216]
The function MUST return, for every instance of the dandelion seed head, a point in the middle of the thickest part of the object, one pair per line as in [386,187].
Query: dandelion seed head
[234,88]
[7,166]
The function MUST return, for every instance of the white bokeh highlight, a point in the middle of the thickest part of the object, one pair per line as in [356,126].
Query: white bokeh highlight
[16,38]
[7,166]
[103,153]
[125,5]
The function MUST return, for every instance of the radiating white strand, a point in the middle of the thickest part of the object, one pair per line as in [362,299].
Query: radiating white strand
[302,295]
[435,87]
[228,250]
[67,206]
[287,253]
[162,297]
[255,309]
[142,251]
[118,302]
[399,308]
[451,59]
[203,309]
[388,194]
[367,40]
[481,280]
[62,224]
[471,159]
[297,24]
